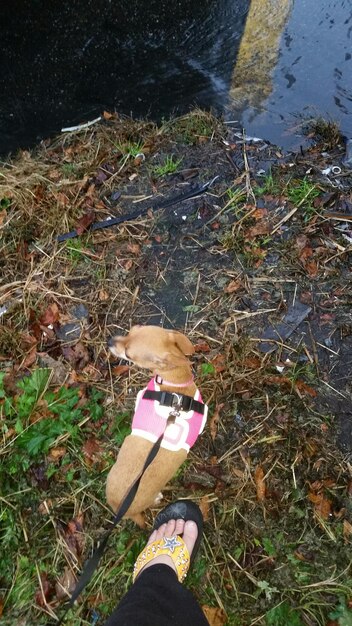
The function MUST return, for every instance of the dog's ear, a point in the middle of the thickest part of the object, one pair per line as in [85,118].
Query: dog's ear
[182,342]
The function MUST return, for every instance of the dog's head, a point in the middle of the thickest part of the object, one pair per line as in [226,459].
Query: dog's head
[152,347]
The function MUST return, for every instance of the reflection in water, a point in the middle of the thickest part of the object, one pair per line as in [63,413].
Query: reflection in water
[258,52]
[260,61]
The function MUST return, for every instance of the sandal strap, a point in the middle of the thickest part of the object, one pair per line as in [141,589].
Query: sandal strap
[174,547]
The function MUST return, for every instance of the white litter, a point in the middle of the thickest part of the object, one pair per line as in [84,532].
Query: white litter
[71,129]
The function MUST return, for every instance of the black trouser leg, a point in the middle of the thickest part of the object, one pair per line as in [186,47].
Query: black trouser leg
[157,598]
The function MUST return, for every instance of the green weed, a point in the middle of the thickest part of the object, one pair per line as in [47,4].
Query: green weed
[302,194]
[269,186]
[168,167]
[39,418]
[69,169]
[129,148]
[283,615]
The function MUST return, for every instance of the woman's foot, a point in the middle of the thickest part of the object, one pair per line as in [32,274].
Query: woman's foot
[189,532]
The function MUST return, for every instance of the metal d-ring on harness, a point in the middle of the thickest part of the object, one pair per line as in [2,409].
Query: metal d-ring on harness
[177,403]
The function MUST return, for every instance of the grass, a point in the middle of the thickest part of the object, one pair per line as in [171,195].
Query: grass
[302,194]
[326,131]
[272,485]
[170,166]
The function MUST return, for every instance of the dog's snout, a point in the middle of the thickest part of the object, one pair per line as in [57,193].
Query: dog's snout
[111,342]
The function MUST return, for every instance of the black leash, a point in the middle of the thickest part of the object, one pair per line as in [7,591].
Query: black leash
[161,204]
[91,565]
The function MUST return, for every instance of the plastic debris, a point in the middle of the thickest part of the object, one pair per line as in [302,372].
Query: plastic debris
[71,129]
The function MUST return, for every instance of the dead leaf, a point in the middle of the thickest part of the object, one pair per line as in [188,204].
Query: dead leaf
[92,451]
[301,241]
[214,420]
[30,357]
[103,295]
[118,370]
[322,505]
[306,253]
[1,605]
[312,268]
[215,615]
[45,592]
[202,346]
[233,286]
[51,315]
[77,355]
[74,538]
[107,115]
[347,531]
[65,584]
[56,454]
[219,363]
[258,214]
[262,227]
[44,507]
[84,222]
[3,216]
[134,248]
[204,506]
[260,483]
[302,386]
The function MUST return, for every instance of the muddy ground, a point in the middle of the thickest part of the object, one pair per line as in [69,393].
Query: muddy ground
[256,271]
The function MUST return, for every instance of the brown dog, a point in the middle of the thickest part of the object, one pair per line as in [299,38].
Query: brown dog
[164,353]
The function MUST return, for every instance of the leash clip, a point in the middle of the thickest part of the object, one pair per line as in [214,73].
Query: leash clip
[176,406]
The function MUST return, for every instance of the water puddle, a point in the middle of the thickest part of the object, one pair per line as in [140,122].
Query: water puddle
[260,62]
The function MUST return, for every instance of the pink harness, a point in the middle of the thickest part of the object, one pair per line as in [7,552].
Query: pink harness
[150,418]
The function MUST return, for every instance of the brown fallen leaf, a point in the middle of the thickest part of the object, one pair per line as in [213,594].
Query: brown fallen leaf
[202,346]
[84,222]
[302,386]
[119,370]
[312,268]
[215,615]
[233,286]
[76,355]
[262,227]
[44,507]
[214,420]
[92,451]
[3,216]
[65,584]
[134,248]
[107,115]
[56,454]
[73,538]
[103,295]
[46,590]
[51,315]
[219,363]
[260,483]
[347,531]
[258,214]
[306,253]
[322,505]
[204,506]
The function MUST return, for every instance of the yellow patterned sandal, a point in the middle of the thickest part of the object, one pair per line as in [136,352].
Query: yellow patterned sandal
[174,547]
